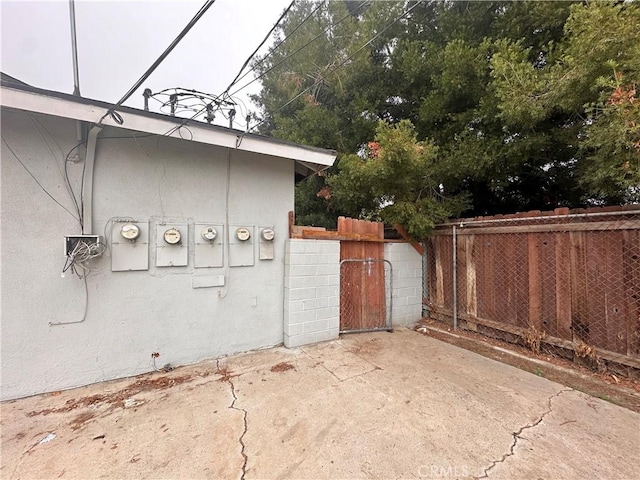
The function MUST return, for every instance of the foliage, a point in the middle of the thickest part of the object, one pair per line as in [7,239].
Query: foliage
[518,105]
[394,179]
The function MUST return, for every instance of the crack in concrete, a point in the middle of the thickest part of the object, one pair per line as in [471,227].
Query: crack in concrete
[245,458]
[516,435]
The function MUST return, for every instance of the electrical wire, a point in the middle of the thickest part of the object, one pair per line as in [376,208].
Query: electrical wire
[115,115]
[341,64]
[232,96]
[78,259]
[246,62]
[36,180]
[275,47]
[65,175]
[299,49]
[86,307]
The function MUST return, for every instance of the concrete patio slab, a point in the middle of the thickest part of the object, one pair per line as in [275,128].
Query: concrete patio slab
[378,405]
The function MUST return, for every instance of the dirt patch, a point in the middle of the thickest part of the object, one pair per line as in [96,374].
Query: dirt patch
[607,386]
[79,421]
[367,348]
[118,399]
[225,373]
[282,367]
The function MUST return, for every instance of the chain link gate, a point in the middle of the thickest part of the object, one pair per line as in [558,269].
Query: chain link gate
[365,295]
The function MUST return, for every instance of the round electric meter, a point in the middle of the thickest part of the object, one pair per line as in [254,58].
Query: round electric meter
[172,236]
[130,231]
[268,234]
[243,234]
[209,234]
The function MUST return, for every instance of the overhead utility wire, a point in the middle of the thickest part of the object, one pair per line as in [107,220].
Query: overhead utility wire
[341,64]
[111,112]
[261,61]
[301,48]
[244,65]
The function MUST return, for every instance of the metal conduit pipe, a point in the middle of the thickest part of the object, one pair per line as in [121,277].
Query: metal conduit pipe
[87,181]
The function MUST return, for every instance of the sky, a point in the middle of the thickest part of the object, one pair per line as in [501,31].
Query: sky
[119,40]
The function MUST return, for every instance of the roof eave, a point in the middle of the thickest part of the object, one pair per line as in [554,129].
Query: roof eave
[67,106]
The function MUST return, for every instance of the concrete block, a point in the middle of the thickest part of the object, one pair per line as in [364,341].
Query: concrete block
[302,270]
[328,269]
[295,329]
[315,281]
[305,316]
[318,259]
[291,341]
[327,335]
[316,326]
[334,279]
[302,246]
[334,301]
[301,293]
[294,306]
[327,313]
[331,247]
[315,303]
[296,259]
[294,282]
[330,291]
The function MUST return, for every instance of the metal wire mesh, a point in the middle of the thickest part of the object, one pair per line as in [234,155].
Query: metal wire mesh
[562,280]
[365,295]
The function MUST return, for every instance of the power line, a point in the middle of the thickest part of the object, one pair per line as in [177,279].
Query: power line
[261,61]
[246,62]
[341,64]
[116,116]
[298,50]
[36,180]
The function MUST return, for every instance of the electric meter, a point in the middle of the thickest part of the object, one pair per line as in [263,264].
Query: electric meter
[268,234]
[130,231]
[172,236]
[209,234]
[243,234]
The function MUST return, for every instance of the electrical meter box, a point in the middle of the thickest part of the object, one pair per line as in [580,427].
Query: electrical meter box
[209,245]
[129,246]
[241,245]
[172,242]
[267,239]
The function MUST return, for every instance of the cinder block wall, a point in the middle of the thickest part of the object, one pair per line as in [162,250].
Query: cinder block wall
[407,283]
[311,291]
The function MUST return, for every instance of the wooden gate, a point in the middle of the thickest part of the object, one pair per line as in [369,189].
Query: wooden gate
[364,275]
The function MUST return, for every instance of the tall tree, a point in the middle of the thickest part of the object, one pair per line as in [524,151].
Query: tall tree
[521,99]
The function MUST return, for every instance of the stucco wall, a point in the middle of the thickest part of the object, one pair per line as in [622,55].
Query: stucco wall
[130,315]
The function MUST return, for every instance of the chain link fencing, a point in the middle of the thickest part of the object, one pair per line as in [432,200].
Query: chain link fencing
[563,283]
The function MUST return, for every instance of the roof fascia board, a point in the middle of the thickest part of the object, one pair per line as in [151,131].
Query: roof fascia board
[59,107]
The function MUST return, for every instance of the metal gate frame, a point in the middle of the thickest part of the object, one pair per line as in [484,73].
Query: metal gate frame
[389,304]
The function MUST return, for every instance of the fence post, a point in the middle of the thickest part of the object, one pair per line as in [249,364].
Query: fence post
[425,281]
[455,280]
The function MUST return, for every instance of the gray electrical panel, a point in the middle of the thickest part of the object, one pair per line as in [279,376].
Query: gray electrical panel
[266,241]
[129,246]
[172,242]
[241,245]
[209,245]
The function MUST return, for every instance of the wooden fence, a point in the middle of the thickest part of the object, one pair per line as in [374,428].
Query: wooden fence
[570,279]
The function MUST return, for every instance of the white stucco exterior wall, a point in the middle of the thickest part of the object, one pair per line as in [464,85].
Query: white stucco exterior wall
[130,315]
[407,283]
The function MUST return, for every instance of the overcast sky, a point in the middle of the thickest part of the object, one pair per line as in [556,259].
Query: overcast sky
[119,40]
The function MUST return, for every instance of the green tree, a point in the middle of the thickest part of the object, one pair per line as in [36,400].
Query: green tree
[394,179]
[591,83]
[531,105]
